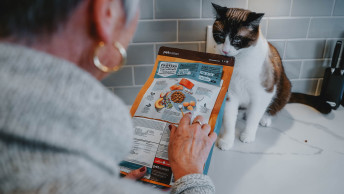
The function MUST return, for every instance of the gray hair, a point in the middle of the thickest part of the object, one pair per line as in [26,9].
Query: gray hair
[29,18]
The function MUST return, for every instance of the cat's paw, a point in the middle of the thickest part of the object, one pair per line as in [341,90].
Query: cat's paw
[247,138]
[265,121]
[225,144]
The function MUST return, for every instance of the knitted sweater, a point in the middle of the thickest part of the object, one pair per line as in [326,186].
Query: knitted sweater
[61,131]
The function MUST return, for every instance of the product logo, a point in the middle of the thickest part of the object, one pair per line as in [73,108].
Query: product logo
[170,53]
[167,69]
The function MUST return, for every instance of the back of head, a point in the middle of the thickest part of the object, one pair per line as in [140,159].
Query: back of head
[29,18]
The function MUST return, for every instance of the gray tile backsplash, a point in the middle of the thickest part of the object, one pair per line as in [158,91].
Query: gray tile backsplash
[292,69]
[146,7]
[141,74]
[287,28]
[167,9]
[312,7]
[208,11]
[128,95]
[279,45]
[303,31]
[305,86]
[202,47]
[339,8]
[270,7]
[314,68]
[140,54]
[156,31]
[263,26]
[123,77]
[326,28]
[193,30]
[305,49]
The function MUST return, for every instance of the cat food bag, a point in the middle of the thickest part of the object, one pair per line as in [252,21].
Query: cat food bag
[182,81]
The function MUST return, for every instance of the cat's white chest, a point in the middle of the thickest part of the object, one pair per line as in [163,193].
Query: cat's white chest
[240,87]
[245,82]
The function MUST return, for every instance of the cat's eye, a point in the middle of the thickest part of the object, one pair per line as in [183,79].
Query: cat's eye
[219,37]
[237,39]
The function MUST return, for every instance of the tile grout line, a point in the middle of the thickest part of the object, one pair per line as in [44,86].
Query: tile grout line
[291,7]
[266,28]
[325,49]
[203,41]
[301,69]
[305,79]
[201,7]
[296,60]
[177,36]
[154,52]
[309,26]
[315,59]
[153,9]
[285,48]
[169,42]
[300,39]
[333,6]
[267,17]
[173,19]
[133,74]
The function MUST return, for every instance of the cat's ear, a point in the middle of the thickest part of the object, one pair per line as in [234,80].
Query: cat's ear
[220,12]
[253,19]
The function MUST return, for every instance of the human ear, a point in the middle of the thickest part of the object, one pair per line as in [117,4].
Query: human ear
[107,16]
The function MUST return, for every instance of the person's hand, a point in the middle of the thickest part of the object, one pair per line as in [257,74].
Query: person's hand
[189,146]
[137,174]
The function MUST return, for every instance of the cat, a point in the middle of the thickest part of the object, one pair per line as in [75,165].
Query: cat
[258,82]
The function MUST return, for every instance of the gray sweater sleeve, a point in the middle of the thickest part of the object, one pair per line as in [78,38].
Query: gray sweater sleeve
[193,183]
[189,184]
[78,183]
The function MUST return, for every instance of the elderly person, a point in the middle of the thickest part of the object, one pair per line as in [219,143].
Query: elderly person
[61,131]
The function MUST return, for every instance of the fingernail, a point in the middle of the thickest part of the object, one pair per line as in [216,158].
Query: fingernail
[142,169]
[170,127]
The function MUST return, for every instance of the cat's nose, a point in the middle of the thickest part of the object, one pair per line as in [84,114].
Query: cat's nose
[225,52]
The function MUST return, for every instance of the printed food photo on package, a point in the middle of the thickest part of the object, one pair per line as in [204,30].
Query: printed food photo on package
[182,81]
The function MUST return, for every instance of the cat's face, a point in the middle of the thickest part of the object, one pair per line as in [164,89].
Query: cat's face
[235,29]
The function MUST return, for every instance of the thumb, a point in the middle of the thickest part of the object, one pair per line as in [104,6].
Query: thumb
[137,174]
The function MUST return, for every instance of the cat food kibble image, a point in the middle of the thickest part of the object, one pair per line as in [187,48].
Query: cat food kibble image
[178,97]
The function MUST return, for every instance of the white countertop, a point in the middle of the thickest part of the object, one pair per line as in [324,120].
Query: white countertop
[302,152]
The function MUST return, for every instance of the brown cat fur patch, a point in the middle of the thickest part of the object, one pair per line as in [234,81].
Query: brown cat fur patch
[277,78]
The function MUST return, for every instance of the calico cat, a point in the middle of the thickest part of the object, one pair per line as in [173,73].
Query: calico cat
[259,82]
